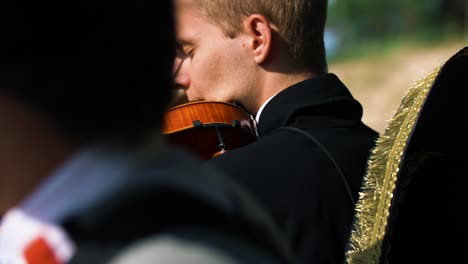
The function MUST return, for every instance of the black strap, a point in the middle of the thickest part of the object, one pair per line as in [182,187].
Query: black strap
[327,153]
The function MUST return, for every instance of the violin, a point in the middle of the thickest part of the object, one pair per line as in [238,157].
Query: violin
[209,128]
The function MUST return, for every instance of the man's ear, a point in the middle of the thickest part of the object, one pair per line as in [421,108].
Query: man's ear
[259,32]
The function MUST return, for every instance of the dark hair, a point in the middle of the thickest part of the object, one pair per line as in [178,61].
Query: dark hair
[97,68]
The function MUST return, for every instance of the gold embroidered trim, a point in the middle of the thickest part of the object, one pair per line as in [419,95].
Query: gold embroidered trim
[373,207]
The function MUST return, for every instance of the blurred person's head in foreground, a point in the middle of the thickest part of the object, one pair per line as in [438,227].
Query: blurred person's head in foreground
[72,74]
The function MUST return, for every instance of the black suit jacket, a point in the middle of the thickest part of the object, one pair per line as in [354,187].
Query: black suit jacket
[307,165]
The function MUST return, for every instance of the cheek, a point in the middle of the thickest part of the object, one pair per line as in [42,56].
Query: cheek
[206,74]
[215,73]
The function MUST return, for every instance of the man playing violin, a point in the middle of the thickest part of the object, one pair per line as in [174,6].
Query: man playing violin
[268,56]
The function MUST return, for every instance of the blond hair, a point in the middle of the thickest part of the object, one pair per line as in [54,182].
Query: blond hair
[299,22]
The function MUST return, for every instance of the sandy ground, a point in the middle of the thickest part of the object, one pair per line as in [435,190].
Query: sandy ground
[380,82]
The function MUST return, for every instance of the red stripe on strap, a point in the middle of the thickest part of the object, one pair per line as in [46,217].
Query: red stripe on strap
[38,252]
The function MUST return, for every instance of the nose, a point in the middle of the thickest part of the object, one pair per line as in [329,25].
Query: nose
[181,73]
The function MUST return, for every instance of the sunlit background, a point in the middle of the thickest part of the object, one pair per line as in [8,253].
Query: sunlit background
[381,48]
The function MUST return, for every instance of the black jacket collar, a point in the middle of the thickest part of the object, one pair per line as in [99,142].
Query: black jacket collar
[318,92]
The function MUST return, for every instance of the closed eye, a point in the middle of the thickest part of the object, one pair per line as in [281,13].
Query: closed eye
[185,49]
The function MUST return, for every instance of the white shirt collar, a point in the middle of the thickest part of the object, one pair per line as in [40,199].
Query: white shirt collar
[257,117]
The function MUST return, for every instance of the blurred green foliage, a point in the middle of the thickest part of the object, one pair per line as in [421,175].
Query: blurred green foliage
[367,25]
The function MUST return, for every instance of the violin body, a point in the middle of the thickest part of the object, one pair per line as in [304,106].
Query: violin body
[208,128]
